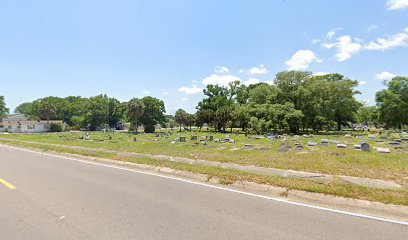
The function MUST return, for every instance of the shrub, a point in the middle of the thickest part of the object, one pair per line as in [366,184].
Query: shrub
[55,127]
[149,129]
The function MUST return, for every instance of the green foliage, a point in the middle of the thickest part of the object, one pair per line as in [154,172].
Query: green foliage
[135,110]
[55,127]
[3,109]
[153,113]
[393,103]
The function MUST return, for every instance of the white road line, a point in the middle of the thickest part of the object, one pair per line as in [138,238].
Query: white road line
[216,187]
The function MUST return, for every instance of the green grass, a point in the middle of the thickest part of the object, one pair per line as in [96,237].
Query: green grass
[228,176]
[328,160]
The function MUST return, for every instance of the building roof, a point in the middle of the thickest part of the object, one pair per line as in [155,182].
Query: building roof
[27,122]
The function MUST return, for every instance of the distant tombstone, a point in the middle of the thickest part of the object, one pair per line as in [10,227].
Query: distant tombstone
[394,143]
[341,145]
[203,142]
[182,139]
[270,140]
[311,144]
[231,141]
[204,137]
[193,138]
[383,150]
[347,136]
[296,138]
[365,147]
[227,136]
[81,137]
[357,146]
[247,145]
[305,136]
[157,135]
[324,141]
[211,138]
[217,140]
[173,142]
[334,141]
[134,139]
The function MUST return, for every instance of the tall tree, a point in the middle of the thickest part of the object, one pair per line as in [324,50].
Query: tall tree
[47,110]
[153,113]
[393,102]
[180,117]
[3,109]
[135,110]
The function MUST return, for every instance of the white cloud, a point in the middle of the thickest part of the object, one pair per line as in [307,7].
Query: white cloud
[222,80]
[314,41]
[345,46]
[165,93]
[192,90]
[397,4]
[146,92]
[362,83]
[251,81]
[372,27]
[221,69]
[397,40]
[184,99]
[385,75]
[301,60]
[270,82]
[330,34]
[258,70]
[320,73]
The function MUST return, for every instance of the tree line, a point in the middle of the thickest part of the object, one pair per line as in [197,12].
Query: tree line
[295,101]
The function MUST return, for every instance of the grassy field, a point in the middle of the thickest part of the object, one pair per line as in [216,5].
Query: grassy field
[227,176]
[320,159]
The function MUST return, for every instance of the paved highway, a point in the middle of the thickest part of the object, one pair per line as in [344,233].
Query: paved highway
[57,198]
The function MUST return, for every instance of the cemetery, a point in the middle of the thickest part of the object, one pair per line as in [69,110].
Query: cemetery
[370,166]
[382,156]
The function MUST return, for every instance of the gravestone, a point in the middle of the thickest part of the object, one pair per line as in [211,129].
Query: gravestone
[324,141]
[217,140]
[339,145]
[394,143]
[134,139]
[173,142]
[231,141]
[305,136]
[193,138]
[357,146]
[211,138]
[157,135]
[365,147]
[347,136]
[311,144]
[182,139]
[383,150]
[270,140]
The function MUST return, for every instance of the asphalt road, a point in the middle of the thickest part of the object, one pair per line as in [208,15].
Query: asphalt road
[56,198]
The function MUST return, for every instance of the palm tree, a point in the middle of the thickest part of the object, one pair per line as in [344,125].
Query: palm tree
[47,110]
[135,110]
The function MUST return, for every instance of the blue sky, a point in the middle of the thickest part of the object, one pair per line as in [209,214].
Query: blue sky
[171,49]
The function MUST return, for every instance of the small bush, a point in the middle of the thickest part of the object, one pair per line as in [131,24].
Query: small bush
[55,127]
[149,129]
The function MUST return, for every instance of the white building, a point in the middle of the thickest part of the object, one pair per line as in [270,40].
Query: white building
[21,124]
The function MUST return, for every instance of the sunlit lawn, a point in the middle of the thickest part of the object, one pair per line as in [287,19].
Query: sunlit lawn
[322,159]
